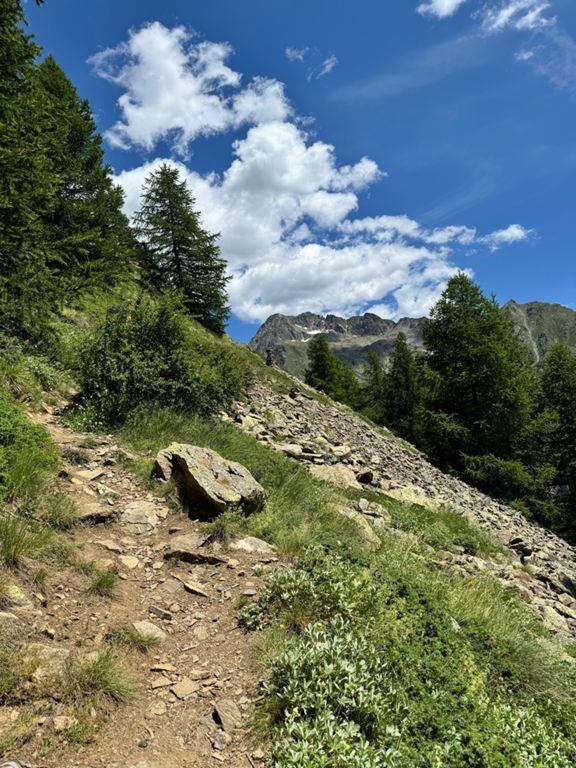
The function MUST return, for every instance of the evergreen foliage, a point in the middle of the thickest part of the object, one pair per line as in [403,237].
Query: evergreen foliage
[61,226]
[27,183]
[177,253]
[88,232]
[402,392]
[484,382]
[330,375]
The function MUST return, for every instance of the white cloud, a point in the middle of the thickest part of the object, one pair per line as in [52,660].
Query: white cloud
[286,210]
[517,14]
[325,68]
[515,233]
[180,89]
[440,8]
[524,55]
[296,54]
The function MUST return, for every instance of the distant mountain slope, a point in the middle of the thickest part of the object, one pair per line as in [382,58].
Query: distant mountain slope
[539,326]
[542,325]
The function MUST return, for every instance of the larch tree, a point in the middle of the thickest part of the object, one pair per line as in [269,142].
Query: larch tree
[88,232]
[485,387]
[177,252]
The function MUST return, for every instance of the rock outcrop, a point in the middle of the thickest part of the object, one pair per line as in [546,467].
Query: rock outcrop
[209,483]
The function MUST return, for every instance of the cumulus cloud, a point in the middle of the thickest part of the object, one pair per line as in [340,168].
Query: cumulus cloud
[440,8]
[287,212]
[515,233]
[180,88]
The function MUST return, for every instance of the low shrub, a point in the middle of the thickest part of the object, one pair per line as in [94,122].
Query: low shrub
[150,352]
[394,665]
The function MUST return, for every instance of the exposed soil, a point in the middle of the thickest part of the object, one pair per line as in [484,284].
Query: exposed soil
[204,647]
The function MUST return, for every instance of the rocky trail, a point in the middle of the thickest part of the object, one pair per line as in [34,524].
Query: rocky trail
[341,448]
[197,685]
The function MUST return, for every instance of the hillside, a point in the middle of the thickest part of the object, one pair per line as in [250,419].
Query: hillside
[140,641]
[539,326]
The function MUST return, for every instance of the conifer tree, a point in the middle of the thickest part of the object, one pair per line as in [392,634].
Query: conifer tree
[373,390]
[89,235]
[559,396]
[27,182]
[485,388]
[402,389]
[177,252]
[329,374]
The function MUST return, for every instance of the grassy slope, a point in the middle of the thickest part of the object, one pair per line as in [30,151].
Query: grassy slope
[380,659]
[384,659]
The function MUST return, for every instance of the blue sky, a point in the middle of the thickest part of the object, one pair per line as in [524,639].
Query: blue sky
[352,155]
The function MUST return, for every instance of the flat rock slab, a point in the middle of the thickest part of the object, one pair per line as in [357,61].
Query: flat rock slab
[185,688]
[210,483]
[252,545]
[337,474]
[188,548]
[140,517]
[51,661]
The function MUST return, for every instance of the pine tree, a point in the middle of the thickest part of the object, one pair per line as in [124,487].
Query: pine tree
[177,252]
[328,374]
[559,397]
[373,390]
[485,387]
[89,235]
[402,389]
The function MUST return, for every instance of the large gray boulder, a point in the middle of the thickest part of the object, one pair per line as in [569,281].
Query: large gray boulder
[210,483]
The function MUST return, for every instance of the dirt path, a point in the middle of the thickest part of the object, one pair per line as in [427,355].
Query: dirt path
[204,663]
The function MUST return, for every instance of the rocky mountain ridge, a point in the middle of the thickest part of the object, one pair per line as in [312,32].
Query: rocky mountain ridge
[539,325]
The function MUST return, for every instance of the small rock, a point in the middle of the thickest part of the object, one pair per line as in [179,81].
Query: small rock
[221,740]
[149,629]
[129,561]
[188,549]
[185,688]
[227,714]
[160,613]
[140,517]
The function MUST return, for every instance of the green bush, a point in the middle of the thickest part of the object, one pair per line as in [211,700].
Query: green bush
[150,352]
[507,480]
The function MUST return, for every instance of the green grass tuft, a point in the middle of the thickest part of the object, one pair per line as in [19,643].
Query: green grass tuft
[99,677]
[129,637]
[21,538]
[105,584]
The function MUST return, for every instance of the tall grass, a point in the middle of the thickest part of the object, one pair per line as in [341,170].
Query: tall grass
[21,538]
